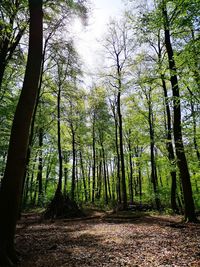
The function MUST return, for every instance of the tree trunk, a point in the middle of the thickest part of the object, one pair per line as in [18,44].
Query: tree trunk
[170,149]
[99,179]
[123,177]
[154,178]
[40,168]
[3,55]
[108,181]
[73,165]
[104,173]
[83,177]
[118,158]
[94,160]
[11,188]
[193,113]
[60,159]
[179,147]
[89,185]
[131,169]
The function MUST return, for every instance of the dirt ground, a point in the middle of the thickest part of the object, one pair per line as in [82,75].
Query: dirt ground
[111,240]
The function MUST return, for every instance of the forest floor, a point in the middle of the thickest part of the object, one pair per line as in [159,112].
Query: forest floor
[106,239]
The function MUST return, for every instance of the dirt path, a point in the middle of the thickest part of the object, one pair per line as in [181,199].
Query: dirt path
[111,241]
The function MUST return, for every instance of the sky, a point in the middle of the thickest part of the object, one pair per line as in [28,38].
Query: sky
[87,38]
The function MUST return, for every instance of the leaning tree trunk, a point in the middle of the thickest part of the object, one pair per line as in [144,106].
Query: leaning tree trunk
[11,188]
[179,147]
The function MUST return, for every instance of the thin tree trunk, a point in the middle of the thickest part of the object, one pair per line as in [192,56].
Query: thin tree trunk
[108,181]
[154,178]
[89,185]
[60,159]
[193,113]
[131,169]
[104,173]
[73,164]
[65,181]
[118,162]
[83,177]
[94,160]
[123,177]
[40,168]
[99,179]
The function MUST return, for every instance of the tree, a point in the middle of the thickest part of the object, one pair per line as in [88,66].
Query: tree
[12,29]
[180,153]
[11,187]
[119,47]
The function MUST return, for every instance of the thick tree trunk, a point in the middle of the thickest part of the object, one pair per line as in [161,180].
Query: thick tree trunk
[170,148]
[11,188]
[180,153]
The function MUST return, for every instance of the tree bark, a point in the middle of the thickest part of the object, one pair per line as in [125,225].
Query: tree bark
[60,159]
[154,178]
[83,177]
[131,169]
[170,149]
[179,147]
[73,164]
[121,148]
[104,172]
[40,168]
[94,159]
[118,155]
[11,188]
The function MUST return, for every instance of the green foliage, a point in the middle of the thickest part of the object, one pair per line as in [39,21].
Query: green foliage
[142,64]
